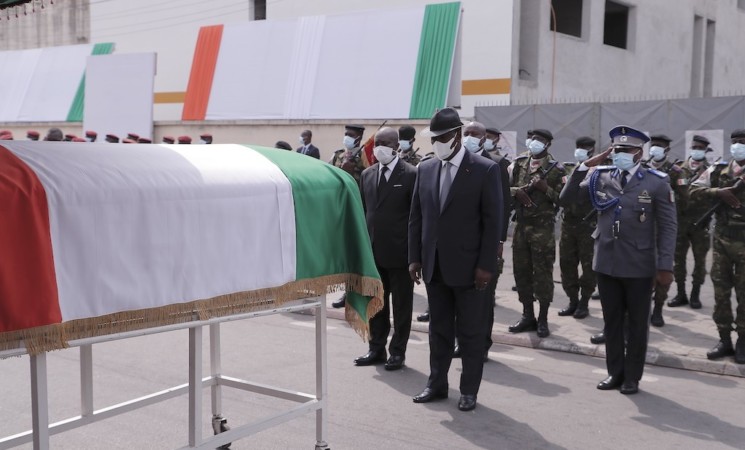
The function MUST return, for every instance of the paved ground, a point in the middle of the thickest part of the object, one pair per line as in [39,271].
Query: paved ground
[682,343]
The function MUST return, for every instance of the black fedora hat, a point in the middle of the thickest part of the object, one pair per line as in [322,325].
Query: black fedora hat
[444,120]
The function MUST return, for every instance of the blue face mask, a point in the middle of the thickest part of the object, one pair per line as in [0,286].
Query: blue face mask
[737,151]
[657,153]
[471,143]
[489,145]
[580,154]
[624,161]
[349,142]
[404,145]
[536,147]
[698,155]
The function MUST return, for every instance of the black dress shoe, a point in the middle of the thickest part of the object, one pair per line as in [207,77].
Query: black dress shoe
[428,395]
[395,362]
[629,387]
[456,351]
[569,310]
[597,338]
[467,402]
[610,383]
[341,302]
[370,358]
[514,288]
[542,329]
[581,313]
[524,324]
[423,317]
[679,300]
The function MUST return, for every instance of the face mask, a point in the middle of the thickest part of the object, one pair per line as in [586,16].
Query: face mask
[536,147]
[302,141]
[527,142]
[349,142]
[383,154]
[657,153]
[489,145]
[737,151]
[624,161]
[404,145]
[471,143]
[580,154]
[443,150]
[698,155]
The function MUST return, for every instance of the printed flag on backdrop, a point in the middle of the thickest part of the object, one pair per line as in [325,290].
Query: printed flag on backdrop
[103,238]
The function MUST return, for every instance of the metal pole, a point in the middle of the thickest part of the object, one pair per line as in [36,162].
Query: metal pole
[321,375]
[39,401]
[215,368]
[195,386]
[86,380]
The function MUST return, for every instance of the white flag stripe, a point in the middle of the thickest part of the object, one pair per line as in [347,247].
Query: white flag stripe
[142,226]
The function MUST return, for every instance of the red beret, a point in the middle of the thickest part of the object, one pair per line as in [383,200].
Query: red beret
[129,141]
[205,135]
[133,136]
[169,139]
[184,140]
[32,133]
[91,134]
[143,140]
[77,139]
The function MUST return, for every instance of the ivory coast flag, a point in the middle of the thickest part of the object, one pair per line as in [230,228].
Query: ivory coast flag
[98,238]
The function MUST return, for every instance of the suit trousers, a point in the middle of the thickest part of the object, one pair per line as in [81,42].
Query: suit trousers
[619,297]
[398,288]
[461,311]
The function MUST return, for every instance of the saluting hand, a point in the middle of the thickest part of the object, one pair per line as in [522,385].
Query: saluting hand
[415,272]
[481,279]
[599,158]
[664,278]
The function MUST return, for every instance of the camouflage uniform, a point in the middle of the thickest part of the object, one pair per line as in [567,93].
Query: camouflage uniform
[533,241]
[576,247]
[697,238]
[410,157]
[729,247]
[351,162]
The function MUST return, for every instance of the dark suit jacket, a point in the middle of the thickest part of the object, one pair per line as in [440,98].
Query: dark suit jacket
[504,174]
[312,151]
[387,214]
[465,235]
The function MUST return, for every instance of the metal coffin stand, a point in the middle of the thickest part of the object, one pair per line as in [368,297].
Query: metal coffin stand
[307,403]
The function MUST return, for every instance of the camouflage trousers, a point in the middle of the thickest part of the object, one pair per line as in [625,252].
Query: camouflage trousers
[728,272]
[577,247]
[533,257]
[697,239]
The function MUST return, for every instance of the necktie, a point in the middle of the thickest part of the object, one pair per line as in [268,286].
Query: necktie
[447,180]
[382,181]
[624,174]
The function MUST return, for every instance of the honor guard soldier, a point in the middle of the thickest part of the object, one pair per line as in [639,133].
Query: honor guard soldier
[112,139]
[69,137]
[205,138]
[576,245]
[634,247]
[184,140]
[32,135]
[349,158]
[6,135]
[697,238]
[536,181]
[406,151]
[169,140]
[722,186]
[132,136]
[91,136]
[144,140]
[491,144]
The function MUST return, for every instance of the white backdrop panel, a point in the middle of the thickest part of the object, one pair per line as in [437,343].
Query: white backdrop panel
[119,94]
[16,71]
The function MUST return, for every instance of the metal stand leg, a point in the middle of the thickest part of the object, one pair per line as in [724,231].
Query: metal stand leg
[321,375]
[219,423]
[195,386]
[86,380]
[39,401]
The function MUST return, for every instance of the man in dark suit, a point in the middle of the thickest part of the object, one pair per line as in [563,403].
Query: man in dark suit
[454,231]
[306,148]
[634,247]
[387,188]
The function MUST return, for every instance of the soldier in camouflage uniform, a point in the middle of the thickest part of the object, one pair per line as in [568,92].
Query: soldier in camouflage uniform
[659,148]
[535,183]
[576,245]
[349,158]
[723,183]
[406,138]
[695,237]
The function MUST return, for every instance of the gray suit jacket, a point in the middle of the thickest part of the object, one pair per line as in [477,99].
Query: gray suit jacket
[646,215]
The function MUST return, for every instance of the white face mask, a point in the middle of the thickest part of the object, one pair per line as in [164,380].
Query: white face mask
[302,141]
[349,142]
[443,150]
[580,154]
[657,153]
[698,155]
[383,154]
[527,142]
[404,145]
[536,147]
[489,145]
[471,143]
[737,151]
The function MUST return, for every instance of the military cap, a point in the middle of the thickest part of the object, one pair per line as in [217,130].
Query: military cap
[494,131]
[129,141]
[702,140]
[144,140]
[444,120]
[33,135]
[739,133]
[6,135]
[78,139]
[584,141]
[543,133]
[625,136]
[133,136]
[357,128]
[661,138]
[91,134]
[184,140]
[205,136]
[406,132]
[169,139]
[114,139]
[70,137]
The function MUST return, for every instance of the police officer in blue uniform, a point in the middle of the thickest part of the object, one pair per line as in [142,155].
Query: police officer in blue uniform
[634,247]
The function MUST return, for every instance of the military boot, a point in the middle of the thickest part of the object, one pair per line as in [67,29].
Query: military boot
[723,347]
[695,301]
[740,349]
[571,307]
[680,299]
[656,320]
[527,322]
[542,327]
[582,310]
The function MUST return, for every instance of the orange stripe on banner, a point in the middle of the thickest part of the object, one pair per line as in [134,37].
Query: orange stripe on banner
[202,73]
[28,286]
[486,87]
[169,97]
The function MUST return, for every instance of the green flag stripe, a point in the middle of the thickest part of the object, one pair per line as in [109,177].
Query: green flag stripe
[76,109]
[435,59]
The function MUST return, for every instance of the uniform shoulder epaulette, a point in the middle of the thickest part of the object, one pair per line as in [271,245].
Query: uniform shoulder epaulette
[427,157]
[521,156]
[721,163]
[560,166]
[658,173]
[605,167]
[570,164]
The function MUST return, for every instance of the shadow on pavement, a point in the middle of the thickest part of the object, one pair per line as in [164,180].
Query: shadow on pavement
[504,375]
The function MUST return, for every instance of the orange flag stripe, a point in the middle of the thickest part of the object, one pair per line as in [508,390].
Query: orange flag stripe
[202,73]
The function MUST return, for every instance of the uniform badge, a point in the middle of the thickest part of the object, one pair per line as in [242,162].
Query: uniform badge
[672,197]
[644,197]
[682,181]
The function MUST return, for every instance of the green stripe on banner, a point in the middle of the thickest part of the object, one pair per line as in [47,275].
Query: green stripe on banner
[321,204]
[435,59]
[76,109]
